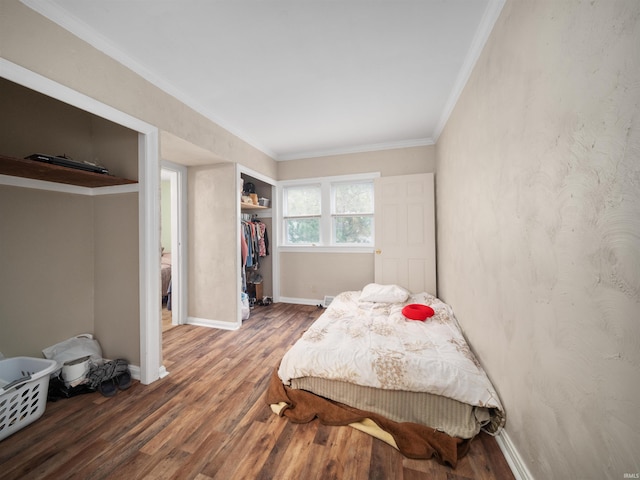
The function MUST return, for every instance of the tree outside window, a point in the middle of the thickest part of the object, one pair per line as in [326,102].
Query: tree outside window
[352,213]
[338,213]
[302,207]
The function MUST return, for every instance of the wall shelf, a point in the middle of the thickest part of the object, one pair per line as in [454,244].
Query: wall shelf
[251,206]
[25,168]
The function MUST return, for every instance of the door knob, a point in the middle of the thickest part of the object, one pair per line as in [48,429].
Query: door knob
[378,251]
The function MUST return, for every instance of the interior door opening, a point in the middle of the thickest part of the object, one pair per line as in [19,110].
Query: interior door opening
[171,244]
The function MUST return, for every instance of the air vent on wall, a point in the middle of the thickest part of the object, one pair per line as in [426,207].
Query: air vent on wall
[327,301]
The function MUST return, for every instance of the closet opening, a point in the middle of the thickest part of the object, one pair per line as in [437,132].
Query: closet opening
[258,241]
[150,362]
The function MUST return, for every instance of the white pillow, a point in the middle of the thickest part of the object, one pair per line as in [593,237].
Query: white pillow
[383,293]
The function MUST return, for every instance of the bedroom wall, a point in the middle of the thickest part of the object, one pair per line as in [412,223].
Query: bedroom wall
[396,161]
[214,231]
[308,276]
[46,269]
[311,276]
[165,212]
[538,207]
[117,303]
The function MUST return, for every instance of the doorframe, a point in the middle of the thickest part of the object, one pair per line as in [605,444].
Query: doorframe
[151,368]
[177,176]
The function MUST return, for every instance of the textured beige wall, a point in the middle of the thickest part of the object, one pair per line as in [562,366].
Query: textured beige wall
[538,207]
[311,276]
[213,243]
[36,123]
[165,214]
[117,285]
[399,161]
[333,273]
[46,269]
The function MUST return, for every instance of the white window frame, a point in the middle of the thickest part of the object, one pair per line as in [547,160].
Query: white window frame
[326,218]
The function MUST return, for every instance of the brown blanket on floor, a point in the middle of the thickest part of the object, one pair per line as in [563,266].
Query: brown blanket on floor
[413,440]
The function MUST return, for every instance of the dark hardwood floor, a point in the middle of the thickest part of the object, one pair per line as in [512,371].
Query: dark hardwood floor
[207,419]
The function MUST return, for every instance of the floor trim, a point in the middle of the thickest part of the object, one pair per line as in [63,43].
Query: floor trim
[300,301]
[205,322]
[513,458]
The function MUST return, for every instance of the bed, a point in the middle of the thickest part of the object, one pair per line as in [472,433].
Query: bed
[165,270]
[414,384]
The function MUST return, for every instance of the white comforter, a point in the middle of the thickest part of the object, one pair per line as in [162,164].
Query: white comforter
[374,345]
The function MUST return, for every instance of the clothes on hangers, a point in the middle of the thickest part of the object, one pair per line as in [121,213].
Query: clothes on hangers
[244,252]
[263,242]
[255,236]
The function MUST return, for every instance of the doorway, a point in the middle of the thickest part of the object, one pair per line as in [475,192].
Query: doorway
[173,238]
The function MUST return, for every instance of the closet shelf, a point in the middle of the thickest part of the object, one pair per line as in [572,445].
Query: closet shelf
[251,206]
[23,167]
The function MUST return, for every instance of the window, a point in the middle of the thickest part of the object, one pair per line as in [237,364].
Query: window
[302,205]
[329,212]
[352,213]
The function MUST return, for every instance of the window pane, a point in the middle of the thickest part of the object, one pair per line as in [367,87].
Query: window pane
[302,230]
[303,200]
[353,198]
[353,230]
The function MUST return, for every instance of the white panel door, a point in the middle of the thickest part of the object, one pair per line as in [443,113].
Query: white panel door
[405,236]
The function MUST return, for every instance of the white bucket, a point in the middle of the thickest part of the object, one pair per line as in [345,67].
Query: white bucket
[74,372]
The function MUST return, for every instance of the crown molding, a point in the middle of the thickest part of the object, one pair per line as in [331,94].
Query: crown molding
[419,142]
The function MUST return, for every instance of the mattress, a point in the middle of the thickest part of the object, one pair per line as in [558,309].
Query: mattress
[367,355]
[441,413]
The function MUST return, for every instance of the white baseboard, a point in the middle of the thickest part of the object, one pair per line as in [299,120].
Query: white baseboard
[513,458]
[205,322]
[134,370]
[300,301]
[163,372]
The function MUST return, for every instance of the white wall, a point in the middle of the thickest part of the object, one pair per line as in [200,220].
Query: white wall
[538,207]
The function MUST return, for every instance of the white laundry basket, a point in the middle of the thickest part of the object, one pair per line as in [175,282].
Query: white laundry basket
[24,383]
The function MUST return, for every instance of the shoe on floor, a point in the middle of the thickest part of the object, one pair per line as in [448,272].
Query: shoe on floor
[123,380]
[108,388]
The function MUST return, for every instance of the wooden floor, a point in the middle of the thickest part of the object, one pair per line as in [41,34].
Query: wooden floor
[207,419]
[166,319]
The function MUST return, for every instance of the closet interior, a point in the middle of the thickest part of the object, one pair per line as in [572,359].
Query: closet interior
[70,250]
[257,239]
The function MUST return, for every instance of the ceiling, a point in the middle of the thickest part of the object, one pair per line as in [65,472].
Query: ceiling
[297,78]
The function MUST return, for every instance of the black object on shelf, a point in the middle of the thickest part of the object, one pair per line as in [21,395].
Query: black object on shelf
[68,162]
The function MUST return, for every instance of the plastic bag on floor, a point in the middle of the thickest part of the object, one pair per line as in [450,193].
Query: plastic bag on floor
[75,356]
[246,310]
